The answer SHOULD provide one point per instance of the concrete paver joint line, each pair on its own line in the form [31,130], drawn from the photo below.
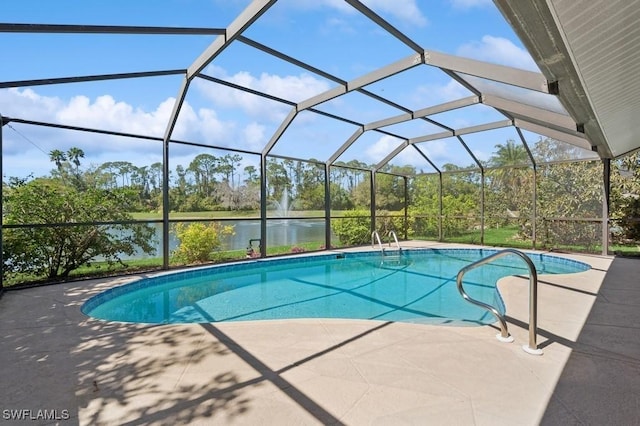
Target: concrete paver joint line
[321,371]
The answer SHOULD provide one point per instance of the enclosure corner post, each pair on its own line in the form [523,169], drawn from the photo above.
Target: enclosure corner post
[165,204]
[2,123]
[372,189]
[534,208]
[263,205]
[406,208]
[482,205]
[606,171]
[440,208]
[327,206]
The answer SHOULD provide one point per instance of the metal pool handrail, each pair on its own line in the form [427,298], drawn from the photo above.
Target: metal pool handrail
[375,236]
[532,347]
[392,234]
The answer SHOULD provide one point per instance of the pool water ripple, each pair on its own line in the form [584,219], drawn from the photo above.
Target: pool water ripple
[417,286]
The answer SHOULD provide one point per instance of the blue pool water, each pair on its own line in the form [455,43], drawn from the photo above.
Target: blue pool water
[417,286]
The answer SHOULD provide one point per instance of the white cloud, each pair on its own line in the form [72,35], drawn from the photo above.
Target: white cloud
[441,151]
[381,148]
[482,155]
[431,94]
[407,11]
[254,135]
[469,4]
[291,87]
[410,157]
[29,145]
[27,103]
[218,125]
[334,4]
[107,113]
[338,25]
[498,50]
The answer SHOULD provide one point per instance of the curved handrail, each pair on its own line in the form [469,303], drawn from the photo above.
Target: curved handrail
[395,238]
[375,236]
[504,335]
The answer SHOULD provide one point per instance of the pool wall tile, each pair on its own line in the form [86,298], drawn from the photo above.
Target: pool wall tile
[172,277]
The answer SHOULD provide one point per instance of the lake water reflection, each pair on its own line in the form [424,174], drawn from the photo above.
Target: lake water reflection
[280,232]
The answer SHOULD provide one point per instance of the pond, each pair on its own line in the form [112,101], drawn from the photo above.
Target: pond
[280,232]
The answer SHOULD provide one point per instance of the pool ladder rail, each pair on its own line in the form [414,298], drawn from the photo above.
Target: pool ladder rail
[375,237]
[504,336]
[386,256]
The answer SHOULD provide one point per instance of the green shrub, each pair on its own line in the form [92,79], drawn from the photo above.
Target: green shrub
[354,228]
[55,251]
[198,240]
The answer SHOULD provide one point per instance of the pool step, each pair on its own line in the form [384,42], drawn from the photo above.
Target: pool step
[391,258]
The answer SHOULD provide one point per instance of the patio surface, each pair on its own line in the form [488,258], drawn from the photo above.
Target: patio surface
[330,371]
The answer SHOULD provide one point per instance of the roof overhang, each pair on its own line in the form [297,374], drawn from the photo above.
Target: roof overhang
[588,51]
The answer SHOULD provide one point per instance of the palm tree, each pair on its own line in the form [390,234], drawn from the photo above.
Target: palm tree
[57,157]
[506,157]
[509,154]
[512,183]
[75,154]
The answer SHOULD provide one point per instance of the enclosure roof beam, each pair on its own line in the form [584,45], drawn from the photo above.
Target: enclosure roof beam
[433,137]
[372,77]
[570,53]
[322,97]
[106,29]
[422,113]
[247,17]
[400,107]
[291,60]
[526,146]
[426,157]
[389,121]
[384,72]
[81,129]
[245,89]
[345,145]
[81,79]
[398,150]
[483,127]
[359,132]
[500,73]
[447,106]
[541,116]
[273,98]
[580,142]
[280,131]
[326,75]
[462,131]
[391,155]
[471,154]
[385,25]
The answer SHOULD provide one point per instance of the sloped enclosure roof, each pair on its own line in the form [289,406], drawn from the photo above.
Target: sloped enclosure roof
[590,49]
[388,90]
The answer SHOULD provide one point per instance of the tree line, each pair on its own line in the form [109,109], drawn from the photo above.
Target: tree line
[75,197]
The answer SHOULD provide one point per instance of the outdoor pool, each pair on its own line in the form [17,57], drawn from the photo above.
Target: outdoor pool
[419,286]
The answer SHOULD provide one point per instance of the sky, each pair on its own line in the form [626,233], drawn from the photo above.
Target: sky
[326,34]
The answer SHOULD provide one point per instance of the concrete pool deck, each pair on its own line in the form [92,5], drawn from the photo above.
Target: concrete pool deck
[56,360]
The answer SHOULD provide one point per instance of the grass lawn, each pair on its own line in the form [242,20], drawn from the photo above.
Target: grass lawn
[500,237]
[197,215]
[103,269]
